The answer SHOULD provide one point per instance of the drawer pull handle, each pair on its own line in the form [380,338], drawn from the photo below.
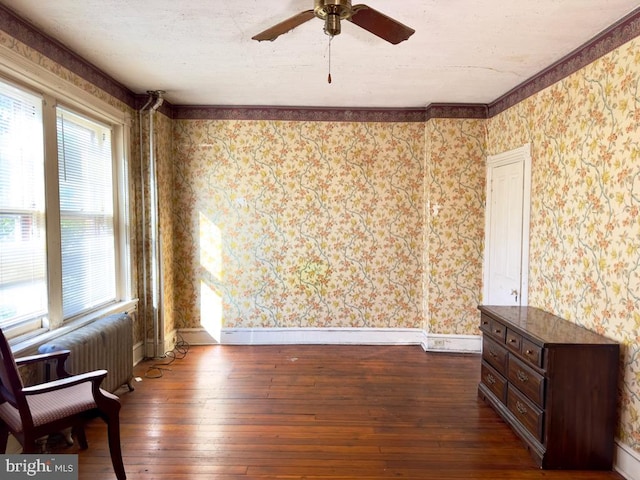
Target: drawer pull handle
[521,408]
[493,354]
[529,352]
[512,340]
[522,376]
[497,330]
[491,379]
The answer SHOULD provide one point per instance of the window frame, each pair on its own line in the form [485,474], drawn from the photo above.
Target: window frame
[23,74]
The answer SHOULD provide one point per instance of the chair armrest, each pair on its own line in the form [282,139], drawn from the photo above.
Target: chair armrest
[95,376]
[59,355]
[41,357]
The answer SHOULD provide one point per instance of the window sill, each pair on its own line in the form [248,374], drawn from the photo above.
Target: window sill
[28,344]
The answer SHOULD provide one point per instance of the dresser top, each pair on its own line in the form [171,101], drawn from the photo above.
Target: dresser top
[544,326]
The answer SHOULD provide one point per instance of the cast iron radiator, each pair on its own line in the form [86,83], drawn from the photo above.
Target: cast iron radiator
[105,344]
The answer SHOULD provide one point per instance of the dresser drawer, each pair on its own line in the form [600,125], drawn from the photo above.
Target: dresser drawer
[513,340]
[532,352]
[495,355]
[494,381]
[530,416]
[485,323]
[526,380]
[497,330]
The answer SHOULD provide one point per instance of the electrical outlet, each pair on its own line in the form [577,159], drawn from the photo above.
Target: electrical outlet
[437,343]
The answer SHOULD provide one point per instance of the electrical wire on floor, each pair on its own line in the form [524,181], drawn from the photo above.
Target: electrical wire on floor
[179,351]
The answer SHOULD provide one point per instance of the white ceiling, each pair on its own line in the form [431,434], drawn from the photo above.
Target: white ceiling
[201,53]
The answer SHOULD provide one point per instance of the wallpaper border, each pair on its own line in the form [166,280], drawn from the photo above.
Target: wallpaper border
[434,110]
[464,111]
[206,112]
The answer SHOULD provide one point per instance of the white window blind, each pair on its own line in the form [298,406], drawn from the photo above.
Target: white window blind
[23,286]
[85,167]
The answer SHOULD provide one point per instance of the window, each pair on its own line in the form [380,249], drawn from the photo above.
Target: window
[59,234]
[23,287]
[86,213]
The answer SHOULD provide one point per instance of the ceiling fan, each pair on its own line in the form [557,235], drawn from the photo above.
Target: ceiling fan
[332,11]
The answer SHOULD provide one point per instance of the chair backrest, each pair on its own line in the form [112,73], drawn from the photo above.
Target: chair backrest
[10,381]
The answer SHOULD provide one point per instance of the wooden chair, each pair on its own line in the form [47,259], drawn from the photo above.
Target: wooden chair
[30,413]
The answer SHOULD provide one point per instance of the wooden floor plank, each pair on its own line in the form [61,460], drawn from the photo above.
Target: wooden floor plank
[313,412]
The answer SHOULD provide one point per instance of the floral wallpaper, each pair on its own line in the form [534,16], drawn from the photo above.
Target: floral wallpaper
[585,222]
[455,185]
[299,224]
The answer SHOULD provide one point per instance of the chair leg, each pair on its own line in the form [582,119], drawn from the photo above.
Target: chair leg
[113,431]
[30,445]
[4,438]
[109,411]
[67,434]
[78,432]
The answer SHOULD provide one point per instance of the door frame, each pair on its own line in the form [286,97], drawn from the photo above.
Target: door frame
[517,155]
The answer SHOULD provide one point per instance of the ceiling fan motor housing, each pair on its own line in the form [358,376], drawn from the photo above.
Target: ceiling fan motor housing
[332,11]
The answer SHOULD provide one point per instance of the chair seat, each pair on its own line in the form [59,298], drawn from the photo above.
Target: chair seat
[50,406]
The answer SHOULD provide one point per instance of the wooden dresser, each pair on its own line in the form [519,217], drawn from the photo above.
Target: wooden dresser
[553,382]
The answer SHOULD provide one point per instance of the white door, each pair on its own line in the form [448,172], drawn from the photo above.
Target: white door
[506,259]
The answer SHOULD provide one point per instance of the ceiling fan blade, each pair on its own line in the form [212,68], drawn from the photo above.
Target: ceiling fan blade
[379,24]
[283,27]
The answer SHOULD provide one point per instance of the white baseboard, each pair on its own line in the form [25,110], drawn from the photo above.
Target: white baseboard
[170,340]
[453,343]
[165,344]
[138,353]
[293,336]
[197,336]
[626,461]
[335,336]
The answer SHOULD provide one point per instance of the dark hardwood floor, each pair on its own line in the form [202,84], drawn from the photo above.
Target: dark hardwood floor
[312,412]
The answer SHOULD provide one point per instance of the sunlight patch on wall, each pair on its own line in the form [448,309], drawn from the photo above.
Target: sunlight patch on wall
[210,311]
[210,247]
[210,240]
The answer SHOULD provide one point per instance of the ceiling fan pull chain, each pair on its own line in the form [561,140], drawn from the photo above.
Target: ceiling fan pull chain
[329,76]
